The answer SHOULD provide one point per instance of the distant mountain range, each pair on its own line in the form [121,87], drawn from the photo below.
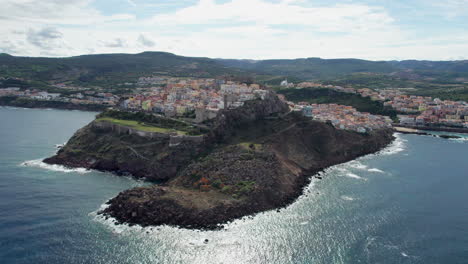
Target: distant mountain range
[108,69]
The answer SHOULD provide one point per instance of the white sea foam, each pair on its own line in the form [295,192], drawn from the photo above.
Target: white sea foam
[461,140]
[397,146]
[357,165]
[110,221]
[347,198]
[375,170]
[53,167]
[354,176]
[340,169]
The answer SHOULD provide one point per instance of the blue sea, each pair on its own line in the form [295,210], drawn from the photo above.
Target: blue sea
[406,204]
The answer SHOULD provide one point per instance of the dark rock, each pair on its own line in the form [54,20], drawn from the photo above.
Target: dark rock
[449,137]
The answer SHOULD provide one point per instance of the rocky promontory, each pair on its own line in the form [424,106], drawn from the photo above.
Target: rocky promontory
[254,158]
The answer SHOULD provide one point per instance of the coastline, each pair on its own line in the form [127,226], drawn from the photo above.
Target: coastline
[432,128]
[172,212]
[39,104]
[394,147]
[406,130]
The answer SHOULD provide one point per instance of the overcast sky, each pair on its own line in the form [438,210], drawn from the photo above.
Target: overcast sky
[243,29]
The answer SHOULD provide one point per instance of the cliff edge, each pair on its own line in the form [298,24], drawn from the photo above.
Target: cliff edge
[254,158]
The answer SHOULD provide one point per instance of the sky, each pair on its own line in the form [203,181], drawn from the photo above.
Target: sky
[238,29]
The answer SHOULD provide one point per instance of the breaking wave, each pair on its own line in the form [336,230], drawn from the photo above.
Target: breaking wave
[375,170]
[110,222]
[347,198]
[397,146]
[357,165]
[354,176]
[53,167]
[461,140]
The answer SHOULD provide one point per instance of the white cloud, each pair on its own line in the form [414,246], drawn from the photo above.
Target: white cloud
[69,12]
[336,18]
[145,41]
[116,43]
[44,38]
[251,29]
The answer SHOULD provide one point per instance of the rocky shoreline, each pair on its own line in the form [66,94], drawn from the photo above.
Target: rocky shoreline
[170,212]
[413,131]
[256,158]
[435,128]
[14,102]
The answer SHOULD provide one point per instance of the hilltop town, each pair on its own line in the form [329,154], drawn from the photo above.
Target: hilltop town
[200,99]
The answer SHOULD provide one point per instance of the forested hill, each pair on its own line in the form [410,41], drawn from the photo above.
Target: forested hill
[111,69]
[323,69]
[105,68]
[311,68]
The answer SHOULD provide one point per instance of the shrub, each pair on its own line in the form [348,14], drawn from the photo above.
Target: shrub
[226,189]
[195,177]
[245,187]
[247,156]
[217,184]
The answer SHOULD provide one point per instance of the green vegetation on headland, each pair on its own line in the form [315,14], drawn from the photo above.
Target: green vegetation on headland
[149,122]
[140,126]
[329,96]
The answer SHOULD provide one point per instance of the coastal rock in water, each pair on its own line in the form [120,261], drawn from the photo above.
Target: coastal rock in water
[245,181]
[255,158]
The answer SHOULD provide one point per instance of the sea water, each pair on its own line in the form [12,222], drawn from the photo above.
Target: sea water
[405,204]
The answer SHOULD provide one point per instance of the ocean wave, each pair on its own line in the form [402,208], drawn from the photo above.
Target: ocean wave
[340,169]
[111,222]
[53,167]
[357,165]
[397,146]
[460,140]
[375,170]
[354,176]
[117,228]
[347,198]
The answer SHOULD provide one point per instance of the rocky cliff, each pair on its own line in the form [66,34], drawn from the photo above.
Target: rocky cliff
[255,158]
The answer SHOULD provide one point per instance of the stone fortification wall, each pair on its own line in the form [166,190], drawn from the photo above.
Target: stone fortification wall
[174,139]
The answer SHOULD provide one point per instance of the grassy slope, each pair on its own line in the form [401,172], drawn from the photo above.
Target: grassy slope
[148,122]
[140,126]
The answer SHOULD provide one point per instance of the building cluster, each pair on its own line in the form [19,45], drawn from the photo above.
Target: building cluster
[419,110]
[88,97]
[425,111]
[187,97]
[343,117]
